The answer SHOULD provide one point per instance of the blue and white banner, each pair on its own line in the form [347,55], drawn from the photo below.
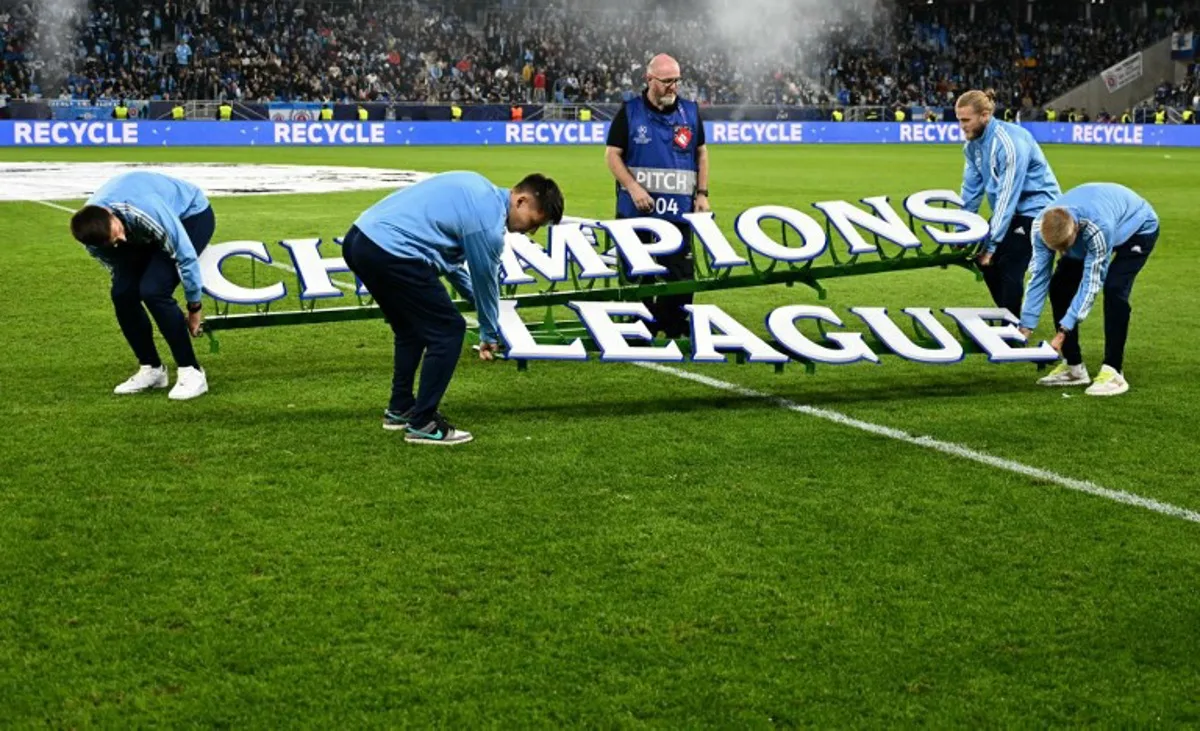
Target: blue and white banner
[294,112]
[71,109]
[1183,45]
[55,133]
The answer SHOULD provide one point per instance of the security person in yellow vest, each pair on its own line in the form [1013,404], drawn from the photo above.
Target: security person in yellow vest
[455,113]
[1126,118]
[1051,115]
[899,115]
[585,115]
[1160,117]
[362,113]
[177,112]
[326,113]
[1072,116]
[838,115]
[225,112]
[1008,114]
[1189,116]
[120,111]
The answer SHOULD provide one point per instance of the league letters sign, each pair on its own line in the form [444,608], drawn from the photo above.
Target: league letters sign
[611,320]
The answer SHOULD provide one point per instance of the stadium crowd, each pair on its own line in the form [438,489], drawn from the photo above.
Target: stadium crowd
[407,50]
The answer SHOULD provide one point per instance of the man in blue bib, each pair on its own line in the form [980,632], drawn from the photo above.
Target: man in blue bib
[656,152]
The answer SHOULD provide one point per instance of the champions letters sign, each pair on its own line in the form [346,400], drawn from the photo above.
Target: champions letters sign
[573,257]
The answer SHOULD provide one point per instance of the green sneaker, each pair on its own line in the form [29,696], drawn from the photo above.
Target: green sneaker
[1109,382]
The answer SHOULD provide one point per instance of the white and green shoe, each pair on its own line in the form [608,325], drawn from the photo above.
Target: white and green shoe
[1066,375]
[438,431]
[1109,382]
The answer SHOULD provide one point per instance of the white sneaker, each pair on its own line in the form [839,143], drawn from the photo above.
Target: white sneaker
[1066,375]
[438,431]
[189,383]
[1109,382]
[145,379]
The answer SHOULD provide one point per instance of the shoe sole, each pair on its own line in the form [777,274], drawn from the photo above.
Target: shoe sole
[1111,393]
[394,427]
[187,398]
[1062,384]
[140,390]
[438,442]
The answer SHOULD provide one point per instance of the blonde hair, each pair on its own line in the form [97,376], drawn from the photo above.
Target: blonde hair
[1058,228]
[980,101]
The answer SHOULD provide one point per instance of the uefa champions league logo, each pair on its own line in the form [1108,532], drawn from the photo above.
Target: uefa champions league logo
[642,135]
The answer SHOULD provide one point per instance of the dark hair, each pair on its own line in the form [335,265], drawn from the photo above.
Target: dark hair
[545,190]
[92,225]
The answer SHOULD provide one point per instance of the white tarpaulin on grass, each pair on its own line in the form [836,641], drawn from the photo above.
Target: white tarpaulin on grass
[56,181]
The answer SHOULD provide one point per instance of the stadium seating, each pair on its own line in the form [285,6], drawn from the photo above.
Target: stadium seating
[403,50]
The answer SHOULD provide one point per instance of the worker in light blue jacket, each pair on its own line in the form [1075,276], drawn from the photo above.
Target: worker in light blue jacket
[1005,165]
[404,244]
[1103,233]
[148,230]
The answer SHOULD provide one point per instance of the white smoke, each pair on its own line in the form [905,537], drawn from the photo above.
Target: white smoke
[57,23]
[756,38]
[761,37]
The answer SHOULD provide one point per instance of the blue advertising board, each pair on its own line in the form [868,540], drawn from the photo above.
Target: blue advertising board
[83,133]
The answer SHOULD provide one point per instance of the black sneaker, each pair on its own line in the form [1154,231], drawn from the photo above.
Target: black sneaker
[393,421]
[437,431]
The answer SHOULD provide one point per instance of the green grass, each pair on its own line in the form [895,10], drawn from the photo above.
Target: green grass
[618,547]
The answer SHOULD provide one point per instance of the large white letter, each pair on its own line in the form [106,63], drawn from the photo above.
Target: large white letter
[734,336]
[975,322]
[565,237]
[611,336]
[313,270]
[705,226]
[851,346]
[885,222]
[747,225]
[973,228]
[221,288]
[521,344]
[510,265]
[950,350]
[637,254]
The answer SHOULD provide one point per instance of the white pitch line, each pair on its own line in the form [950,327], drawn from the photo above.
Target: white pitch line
[336,282]
[956,450]
[53,205]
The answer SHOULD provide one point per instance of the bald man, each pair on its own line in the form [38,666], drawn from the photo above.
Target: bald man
[656,153]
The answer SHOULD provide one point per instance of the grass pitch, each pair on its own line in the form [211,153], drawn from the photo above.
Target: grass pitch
[618,547]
